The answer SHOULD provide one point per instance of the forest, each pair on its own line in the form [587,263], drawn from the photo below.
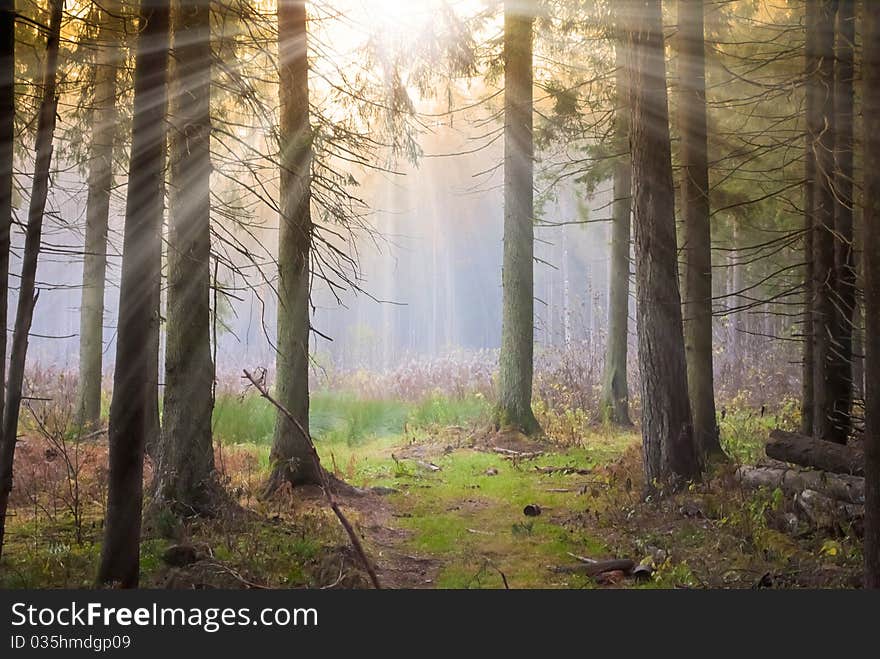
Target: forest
[440,294]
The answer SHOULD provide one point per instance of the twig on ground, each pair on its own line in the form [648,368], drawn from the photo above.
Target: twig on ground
[508,454]
[564,470]
[235,575]
[582,559]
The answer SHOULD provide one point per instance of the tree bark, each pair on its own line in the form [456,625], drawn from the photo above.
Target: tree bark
[825,512]
[7,169]
[133,395]
[27,299]
[697,235]
[811,66]
[291,456]
[738,315]
[809,452]
[871,223]
[844,263]
[91,326]
[185,474]
[828,382]
[840,487]
[615,394]
[669,450]
[517,324]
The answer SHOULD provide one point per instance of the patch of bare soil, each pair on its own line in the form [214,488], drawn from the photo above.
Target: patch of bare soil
[384,542]
[395,565]
[508,440]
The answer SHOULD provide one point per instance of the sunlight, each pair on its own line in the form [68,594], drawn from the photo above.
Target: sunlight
[447,264]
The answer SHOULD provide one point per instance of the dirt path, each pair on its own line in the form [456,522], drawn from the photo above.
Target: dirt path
[387,543]
[451,515]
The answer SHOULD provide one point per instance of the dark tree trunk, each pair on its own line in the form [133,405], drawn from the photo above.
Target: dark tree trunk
[871,223]
[828,382]
[615,394]
[291,455]
[811,67]
[517,323]
[185,474]
[669,449]
[133,397]
[858,326]
[91,326]
[844,263]
[7,156]
[33,235]
[697,236]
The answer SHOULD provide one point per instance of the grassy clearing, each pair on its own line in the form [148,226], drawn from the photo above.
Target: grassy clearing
[342,418]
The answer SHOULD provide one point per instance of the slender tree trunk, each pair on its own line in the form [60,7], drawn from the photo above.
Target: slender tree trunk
[811,108]
[27,299]
[291,455]
[844,264]
[871,223]
[669,449]
[7,159]
[738,327]
[133,397]
[827,380]
[517,324]
[695,211]
[185,474]
[33,235]
[615,394]
[91,326]
[566,292]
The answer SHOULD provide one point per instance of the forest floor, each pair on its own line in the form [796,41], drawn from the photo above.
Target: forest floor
[463,526]
[442,507]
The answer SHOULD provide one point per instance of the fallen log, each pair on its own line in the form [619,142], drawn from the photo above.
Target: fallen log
[624,565]
[825,512]
[841,487]
[809,452]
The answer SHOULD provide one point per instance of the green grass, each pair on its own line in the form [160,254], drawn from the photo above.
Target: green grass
[443,411]
[744,431]
[473,522]
[243,420]
[339,418]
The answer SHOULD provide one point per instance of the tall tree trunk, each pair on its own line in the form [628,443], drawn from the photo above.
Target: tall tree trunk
[695,212]
[669,449]
[858,334]
[615,393]
[291,455]
[185,474]
[844,263]
[133,396]
[811,109]
[827,379]
[517,324]
[91,325]
[27,299]
[738,329]
[871,223]
[7,160]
